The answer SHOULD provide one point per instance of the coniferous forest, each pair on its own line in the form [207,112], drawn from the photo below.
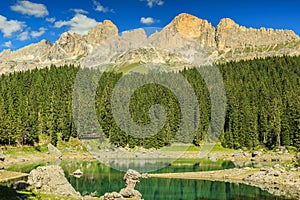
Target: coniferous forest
[263,105]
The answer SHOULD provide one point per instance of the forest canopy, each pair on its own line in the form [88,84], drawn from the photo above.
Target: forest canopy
[263,101]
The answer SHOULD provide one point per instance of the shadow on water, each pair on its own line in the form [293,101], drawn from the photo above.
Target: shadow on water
[6,192]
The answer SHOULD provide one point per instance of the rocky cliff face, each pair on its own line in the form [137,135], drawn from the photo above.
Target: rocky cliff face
[231,35]
[193,27]
[70,48]
[228,41]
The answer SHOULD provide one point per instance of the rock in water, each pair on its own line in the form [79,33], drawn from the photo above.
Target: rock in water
[54,151]
[131,178]
[51,179]
[113,196]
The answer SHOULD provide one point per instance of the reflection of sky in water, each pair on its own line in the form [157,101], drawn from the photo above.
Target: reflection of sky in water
[100,178]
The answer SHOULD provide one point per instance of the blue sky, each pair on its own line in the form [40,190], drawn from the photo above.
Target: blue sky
[24,22]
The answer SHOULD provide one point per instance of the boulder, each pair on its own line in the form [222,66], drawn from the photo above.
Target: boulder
[212,157]
[113,196]
[51,179]
[131,178]
[52,150]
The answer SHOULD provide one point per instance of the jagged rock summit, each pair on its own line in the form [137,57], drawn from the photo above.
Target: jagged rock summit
[227,41]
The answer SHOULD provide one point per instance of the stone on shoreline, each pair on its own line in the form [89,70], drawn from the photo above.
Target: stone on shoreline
[51,179]
[52,150]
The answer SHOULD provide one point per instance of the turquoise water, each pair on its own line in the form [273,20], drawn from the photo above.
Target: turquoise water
[100,178]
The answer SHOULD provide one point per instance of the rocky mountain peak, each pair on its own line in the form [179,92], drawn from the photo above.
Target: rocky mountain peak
[195,28]
[227,23]
[228,41]
[102,32]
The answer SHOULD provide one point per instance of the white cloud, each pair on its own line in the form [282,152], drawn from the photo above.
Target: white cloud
[79,24]
[151,3]
[51,20]
[7,27]
[79,11]
[35,34]
[23,36]
[148,20]
[7,44]
[101,8]
[29,8]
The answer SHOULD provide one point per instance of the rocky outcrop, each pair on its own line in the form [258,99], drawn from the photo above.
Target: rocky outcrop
[194,27]
[102,32]
[51,179]
[52,150]
[131,178]
[228,41]
[70,48]
[230,35]
[276,180]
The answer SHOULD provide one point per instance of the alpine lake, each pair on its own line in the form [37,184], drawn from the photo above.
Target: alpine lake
[99,179]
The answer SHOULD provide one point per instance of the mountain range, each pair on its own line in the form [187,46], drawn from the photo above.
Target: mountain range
[225,42]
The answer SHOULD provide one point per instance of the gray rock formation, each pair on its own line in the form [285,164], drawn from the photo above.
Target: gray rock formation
[52,150]
[51,179]
[276,180]
[131,178]
[228,41]
[113,196]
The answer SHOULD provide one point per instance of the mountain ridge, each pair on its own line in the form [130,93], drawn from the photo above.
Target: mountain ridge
[225,42]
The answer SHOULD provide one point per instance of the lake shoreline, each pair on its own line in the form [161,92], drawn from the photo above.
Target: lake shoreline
[275,181]
[278,187]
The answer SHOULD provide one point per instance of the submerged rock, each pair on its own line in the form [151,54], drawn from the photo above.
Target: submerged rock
[51,179]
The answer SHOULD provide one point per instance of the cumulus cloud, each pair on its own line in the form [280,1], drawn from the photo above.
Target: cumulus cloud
[151,3]
[79,24]
[99,7]
[148,20]
[23,36]
[39,33]
[79,11]
[8,27]
[29,8]
[51,20]
[7,44]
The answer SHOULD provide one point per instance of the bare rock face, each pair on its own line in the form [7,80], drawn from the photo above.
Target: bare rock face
[231,35]
[102,32]
[51,179]
[69,45]
[194,27]
[228,41]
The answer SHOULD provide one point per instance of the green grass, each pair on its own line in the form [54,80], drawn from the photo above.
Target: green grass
[26,168]
[24,150]
[134,67]
[213,147]
[74,143]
